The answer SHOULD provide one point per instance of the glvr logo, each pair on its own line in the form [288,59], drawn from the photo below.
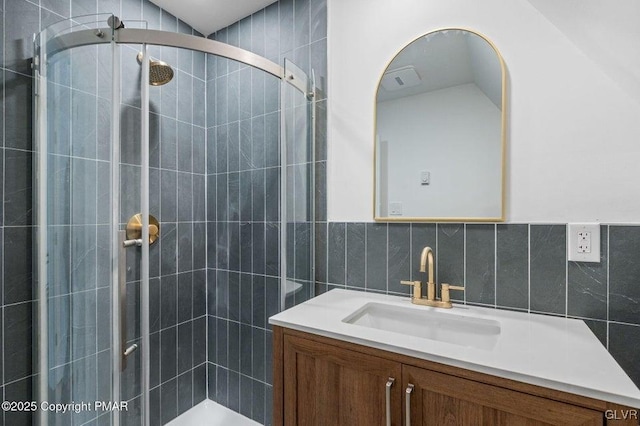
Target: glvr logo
[621,414]
[111,406]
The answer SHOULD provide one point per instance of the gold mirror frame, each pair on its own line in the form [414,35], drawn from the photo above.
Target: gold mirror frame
[503,69]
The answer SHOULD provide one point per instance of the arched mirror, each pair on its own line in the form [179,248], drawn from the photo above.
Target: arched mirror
[440,131]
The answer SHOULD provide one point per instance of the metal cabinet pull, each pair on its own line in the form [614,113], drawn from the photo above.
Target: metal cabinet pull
[408,405]
[388,398]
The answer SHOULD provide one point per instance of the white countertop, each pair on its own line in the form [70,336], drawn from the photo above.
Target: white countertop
[553,352]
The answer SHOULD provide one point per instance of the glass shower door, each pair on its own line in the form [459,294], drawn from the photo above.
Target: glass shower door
[298,183]
[84,275]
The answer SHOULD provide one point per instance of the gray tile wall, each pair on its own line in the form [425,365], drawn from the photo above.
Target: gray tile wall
[178,173]
[505,266]
[243,196]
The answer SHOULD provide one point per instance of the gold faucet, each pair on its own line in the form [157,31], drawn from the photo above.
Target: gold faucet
[427,255]
[426,259]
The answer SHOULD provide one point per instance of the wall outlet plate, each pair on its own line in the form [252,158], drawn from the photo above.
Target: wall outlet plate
[583,242]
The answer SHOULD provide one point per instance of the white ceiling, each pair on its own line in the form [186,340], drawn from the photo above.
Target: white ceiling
[208,16]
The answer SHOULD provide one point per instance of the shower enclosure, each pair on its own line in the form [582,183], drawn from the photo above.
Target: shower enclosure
[155,178]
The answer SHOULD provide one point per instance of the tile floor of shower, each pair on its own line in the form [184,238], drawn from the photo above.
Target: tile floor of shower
[209,413]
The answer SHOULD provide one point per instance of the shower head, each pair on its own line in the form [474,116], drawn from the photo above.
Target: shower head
[160,73]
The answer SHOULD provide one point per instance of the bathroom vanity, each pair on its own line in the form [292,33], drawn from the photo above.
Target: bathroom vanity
[354,358]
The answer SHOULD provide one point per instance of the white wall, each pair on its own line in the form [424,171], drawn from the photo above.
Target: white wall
[455,134]
[573,110]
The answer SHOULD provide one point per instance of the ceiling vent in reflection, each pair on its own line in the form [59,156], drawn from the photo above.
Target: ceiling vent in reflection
[400,78]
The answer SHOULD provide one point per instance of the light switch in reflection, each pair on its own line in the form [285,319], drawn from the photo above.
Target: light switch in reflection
[424,177]
[395,208]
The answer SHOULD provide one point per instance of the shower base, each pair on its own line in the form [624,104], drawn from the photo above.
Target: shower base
[209,413]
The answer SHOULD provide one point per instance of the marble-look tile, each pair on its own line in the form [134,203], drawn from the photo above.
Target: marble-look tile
[185,247]
[376,243]
[83,383]
[168,143]
[18,118]
[599,328]
[302,250]
[17,337]
[512,272]
[169,401]
[399,257]
[624,341]
[258,141]
[587,284]
[168,301]
[259,248]
[258,194]
[356,255]
[185,348]
[272,248]
[272,194]
[185,392]
[200,340]
[84,324]
[222,198]
[624,270]
[199,384]
[257,92]
[184,147]
[450,254]
[234,246]
[199,198]
[168,248]
[480,265]
[246,342]
[259,357]
[321,190]
[422,235]
[321,252]
[233,148]
[185,297]
[18,264]
[199,307]
[336,253]
[185,197]
[548,282]
[168,196]
[272,139]
[233,345]
[234,297]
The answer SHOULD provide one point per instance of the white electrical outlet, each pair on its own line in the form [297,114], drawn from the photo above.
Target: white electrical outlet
[583,242]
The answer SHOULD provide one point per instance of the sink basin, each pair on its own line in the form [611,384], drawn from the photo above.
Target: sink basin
[446,327]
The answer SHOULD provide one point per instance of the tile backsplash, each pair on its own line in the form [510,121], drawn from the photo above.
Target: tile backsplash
[521,267]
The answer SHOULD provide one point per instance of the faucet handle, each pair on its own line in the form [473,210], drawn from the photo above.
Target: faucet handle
[446,297]
[417,288]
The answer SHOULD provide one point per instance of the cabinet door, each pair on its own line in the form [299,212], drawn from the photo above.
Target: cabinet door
[326,385]
[439,399]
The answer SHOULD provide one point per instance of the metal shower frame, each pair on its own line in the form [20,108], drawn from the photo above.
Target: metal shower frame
[144,37]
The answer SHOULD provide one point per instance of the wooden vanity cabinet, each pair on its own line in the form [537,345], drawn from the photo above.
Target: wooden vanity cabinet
[441,399]
[322,381]
[325,385]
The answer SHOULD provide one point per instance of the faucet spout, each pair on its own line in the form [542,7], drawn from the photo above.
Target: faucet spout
[427,256]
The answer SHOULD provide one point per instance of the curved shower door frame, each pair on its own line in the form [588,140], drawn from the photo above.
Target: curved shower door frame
[144,37]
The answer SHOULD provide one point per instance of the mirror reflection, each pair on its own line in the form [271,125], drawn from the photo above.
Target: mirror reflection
[440,131]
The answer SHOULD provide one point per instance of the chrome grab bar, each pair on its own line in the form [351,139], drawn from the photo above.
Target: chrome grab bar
[123,244]
[388,398]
